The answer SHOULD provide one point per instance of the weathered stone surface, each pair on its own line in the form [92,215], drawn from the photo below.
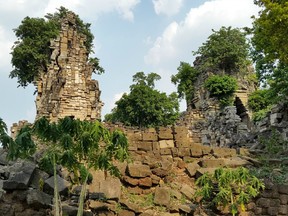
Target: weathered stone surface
[139,170]
[211,163]
[162,196]
[165,133]
[146,182]
[20,177]
[145,146]
[283,189]
[201,171]
[132,206]
[131,181]
[126,213]
[111,187]
[166,144]
[38,199]
[67,87]
[192,168]
[188,191]
[62,184]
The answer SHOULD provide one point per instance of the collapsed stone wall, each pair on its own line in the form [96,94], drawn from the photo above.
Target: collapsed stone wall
[66,88]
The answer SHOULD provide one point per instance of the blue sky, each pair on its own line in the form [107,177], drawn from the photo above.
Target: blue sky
[130,36]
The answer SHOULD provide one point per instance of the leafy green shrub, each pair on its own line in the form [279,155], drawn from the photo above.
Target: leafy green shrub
[228,187]
[221,87]
[259,100]
[261,114]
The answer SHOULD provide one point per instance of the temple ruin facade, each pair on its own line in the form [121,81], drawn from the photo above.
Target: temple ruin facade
[66,88]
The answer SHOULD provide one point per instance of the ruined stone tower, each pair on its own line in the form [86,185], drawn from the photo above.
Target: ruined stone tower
[67,88]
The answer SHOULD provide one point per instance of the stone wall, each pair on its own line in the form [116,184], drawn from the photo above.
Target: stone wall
[272,201]
[66,88]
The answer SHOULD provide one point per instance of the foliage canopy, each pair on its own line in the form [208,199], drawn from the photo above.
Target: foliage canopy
[144,106]
[226,50]
[270,45]
[184,80]
[31,52]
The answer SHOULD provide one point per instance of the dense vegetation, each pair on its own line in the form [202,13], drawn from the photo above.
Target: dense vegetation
[270,46]
[226,50]
[184,80]
[231,188]
[145,106]
[31,52]
[222,87]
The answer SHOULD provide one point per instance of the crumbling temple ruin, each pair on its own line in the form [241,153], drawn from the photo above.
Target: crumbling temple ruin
[67,88]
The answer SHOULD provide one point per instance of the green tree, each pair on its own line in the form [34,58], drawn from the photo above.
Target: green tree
[144,106]
[270,44]
[226,50]
[78,145]
[31,52]
[184,80]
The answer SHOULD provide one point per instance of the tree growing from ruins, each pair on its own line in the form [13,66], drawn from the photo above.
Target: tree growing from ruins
[145,106]
[184,80]
[31,51]
[270,46]
[226,50]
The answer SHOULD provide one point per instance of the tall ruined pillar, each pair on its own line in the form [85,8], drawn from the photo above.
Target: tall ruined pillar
[67,88]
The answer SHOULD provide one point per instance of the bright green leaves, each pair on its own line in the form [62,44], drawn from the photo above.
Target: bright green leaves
[225,50]
[31,52]
[221,87]
[185,79]
[269,46]
[144,106]
[229,187]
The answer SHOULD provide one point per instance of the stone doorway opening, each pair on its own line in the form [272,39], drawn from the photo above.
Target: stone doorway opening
[242,112]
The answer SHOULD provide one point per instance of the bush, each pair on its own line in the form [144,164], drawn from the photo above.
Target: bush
[221,87]
[259,100]
[228,187]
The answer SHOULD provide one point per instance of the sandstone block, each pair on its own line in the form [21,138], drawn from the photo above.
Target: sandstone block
[283,199]
[283,210]
[165,151]
[149,136]
[191,168]
[162,196]
[131,181]
[223,152]
[146,182]
[272,211]
[165,133]
[145,146]
[211,163]
[283,189]
[139,170]
[184,152]
[188,191]
[166,144]
[196,150]
[263,202]
[63,185]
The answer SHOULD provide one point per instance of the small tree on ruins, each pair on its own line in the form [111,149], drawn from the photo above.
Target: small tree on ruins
[31,52]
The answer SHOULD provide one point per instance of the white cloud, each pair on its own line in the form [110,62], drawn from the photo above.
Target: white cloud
[167,7]
[111,103]
[92,9]
[179,39]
